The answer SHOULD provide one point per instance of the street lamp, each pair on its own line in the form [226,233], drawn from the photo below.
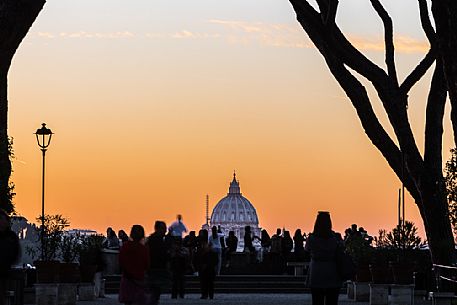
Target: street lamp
[43,137]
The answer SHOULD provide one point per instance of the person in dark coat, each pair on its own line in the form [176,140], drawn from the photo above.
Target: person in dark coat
[299,250]
[190,242]
[322,244]
[205,261]
[232,243]
[287,245]
[178,266]
[133,261]
[9,252]
[158,276]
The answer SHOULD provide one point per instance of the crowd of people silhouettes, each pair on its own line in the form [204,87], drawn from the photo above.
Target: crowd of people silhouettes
[151,265]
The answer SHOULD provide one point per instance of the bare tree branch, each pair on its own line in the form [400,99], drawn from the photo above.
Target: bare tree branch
[313,25]
[370,123]
[334,44]
[388,39]
[418,72]
[426,23]
[332,8]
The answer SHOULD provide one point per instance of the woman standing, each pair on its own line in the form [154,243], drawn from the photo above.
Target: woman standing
[205,261]
[214,241]
[323,277]
[134,261]
[299,250]
[265,243]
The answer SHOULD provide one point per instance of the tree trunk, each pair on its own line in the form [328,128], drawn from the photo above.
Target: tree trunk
[16,18]
[445,15]
[422,176]
[439,232]
[5,164]
[438,229]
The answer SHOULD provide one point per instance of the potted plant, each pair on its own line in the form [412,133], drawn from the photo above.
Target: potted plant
[90,256]
[90,262]
[47,267]
[403,243]
[69,250]
[50,238]
[358,245]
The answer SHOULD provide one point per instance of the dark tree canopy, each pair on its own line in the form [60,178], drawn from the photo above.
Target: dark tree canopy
[422,175]
[16,18]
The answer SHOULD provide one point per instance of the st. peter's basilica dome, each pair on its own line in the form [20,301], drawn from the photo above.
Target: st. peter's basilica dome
[234,212]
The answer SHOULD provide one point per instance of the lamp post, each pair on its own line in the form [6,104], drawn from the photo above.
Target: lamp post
[43,137]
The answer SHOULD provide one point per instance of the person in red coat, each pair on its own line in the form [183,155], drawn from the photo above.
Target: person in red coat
[134,261]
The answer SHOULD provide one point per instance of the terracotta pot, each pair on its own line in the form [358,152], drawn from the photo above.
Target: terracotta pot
[363,274]
[380,274]
[47,271]
[402,273]
[69,273]
[87,273]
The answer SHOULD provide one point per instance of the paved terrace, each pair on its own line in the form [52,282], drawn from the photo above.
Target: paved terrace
[239,299]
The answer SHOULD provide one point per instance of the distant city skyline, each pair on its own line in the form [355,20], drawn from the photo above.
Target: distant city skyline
[153,104]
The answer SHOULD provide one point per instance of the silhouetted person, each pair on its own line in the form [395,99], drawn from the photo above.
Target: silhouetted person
[134,261]
[265,243]
[177,228]
[299,249]
[232,244]
[9,252]
[214,242]
[248,246]
[158,276]
[232,241]
[178,265]
[190,242]
[223,245]
[324,280]
[206,261]
[248,243]
[276,242]
[278,262]
[123,237]
[111,241]
[287,244]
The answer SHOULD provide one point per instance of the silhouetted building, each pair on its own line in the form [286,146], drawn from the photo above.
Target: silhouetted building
[234,212]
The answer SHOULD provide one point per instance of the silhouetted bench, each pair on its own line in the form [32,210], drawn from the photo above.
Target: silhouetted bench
[442,298]
[299,267]
[16,283]
[445,275]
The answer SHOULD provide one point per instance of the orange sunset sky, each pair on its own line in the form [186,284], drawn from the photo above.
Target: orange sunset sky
[154,104]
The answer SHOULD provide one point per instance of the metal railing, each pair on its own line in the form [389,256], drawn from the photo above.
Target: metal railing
[446,277]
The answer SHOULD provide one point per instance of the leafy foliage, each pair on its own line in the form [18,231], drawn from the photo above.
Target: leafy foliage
[90,249]
[70,247]
[52,234]
[358,244]
[8,207]
[450,179]
[403,236]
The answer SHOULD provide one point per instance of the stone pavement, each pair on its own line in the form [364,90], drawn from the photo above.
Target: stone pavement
[231,299]
[239,299]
